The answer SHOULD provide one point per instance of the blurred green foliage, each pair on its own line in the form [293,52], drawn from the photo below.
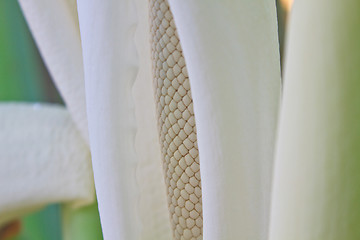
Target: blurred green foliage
[23,77]
[81,224]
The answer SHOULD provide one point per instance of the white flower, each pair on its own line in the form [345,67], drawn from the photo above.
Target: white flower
[99,55]
[233,64]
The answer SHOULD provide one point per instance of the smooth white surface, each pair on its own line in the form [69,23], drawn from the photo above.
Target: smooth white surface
[232,54]
[316,180]
[55,27]
[110,67]
[43,160]
[152,205]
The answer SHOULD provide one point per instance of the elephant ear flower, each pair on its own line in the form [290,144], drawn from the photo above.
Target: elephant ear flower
[241,74]
[216,78]
[55,28]
[100,51]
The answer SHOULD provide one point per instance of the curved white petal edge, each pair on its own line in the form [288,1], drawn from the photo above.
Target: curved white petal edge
[152,203]
[232,54]
[316,181]
[122,125]
[54,25]
[43,160]
[110,68]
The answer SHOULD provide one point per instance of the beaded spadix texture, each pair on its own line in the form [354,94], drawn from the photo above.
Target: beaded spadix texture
[176,124]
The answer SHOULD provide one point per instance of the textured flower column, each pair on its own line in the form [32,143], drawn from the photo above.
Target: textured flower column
[232,56]
[316,186]
[176,125]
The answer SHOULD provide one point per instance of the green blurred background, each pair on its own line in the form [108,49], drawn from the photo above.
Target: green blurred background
[23,77]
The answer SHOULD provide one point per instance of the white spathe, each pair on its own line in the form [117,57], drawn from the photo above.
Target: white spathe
[122,125]
[316,192]
[109,77]
[233,63]
[54,25]
[232,55]
[43,160]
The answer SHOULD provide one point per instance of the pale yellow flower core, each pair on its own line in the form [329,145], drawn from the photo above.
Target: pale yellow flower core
[176,125]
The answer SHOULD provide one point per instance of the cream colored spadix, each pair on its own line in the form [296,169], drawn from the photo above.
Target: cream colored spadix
[176,124]
[232,55]
[316,186]
[54,25]
[131,195]
[43,160]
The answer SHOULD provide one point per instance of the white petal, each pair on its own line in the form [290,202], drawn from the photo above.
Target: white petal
[110,67]
[316,184]
[55,27]
[152,205]
[231,51]
[43,159]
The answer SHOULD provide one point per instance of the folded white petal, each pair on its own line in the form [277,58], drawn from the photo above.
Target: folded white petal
[54,25]
[110,67]
[316,185]
[232,54]
[43,159]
